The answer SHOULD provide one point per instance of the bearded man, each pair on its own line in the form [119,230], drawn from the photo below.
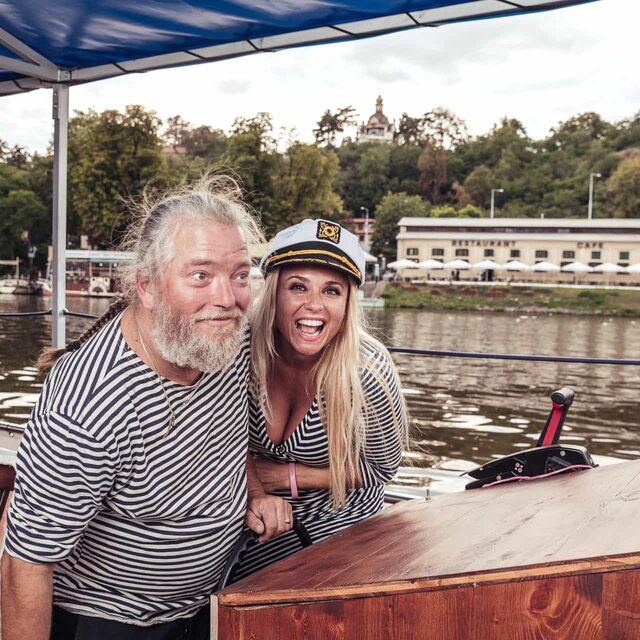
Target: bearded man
[131,485]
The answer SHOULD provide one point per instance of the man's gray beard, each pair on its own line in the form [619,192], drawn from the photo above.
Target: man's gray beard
[178,340]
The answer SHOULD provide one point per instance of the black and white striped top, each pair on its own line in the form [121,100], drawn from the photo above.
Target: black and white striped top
[308,444]
[139,524]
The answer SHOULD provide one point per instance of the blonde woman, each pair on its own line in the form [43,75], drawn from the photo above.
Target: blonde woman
[327,417]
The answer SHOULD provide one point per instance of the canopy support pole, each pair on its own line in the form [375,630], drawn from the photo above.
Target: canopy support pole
[59,239]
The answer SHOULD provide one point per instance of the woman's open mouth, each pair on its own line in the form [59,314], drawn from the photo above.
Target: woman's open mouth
[310,328]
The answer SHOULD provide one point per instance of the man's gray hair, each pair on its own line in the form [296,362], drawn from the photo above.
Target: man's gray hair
[151,237]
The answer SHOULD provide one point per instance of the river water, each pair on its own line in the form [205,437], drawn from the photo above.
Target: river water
[464,411]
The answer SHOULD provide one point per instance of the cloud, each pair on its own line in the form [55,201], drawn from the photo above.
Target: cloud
[540,69]
[233,86]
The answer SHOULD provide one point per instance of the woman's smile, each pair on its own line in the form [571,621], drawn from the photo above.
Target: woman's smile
[310,308]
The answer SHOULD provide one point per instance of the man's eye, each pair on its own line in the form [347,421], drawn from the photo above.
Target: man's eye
[200,276]
[243,275]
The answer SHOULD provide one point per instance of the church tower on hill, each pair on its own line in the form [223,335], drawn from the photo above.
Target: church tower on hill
[378,127]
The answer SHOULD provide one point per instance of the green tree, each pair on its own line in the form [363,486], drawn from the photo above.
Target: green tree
[469,211]
[207,143]
[411,130]
[391,209]
[432,165]
[459,196]
[443,131]
[579,132]
[364,174]
[623,188]
[303,187]
[22,210]
[15,156]
[626,133]
[446,211]
[403,169]
[331,124]
[443,211]
[251,152]
[176,131]
[112,157]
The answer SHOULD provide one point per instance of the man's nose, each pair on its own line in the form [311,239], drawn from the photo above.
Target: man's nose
[222,293]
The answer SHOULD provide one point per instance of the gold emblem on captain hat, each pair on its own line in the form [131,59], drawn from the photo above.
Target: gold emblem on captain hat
[328,231]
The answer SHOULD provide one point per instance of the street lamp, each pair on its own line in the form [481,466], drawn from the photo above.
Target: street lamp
[366,228]
[591,177]
[493,200]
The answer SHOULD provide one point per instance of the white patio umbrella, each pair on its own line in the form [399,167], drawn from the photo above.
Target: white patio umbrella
[486,264]
[634,268]
[577,267]
[403,264]
[431,264]
[369,258]
[458,264]
[516,265]
[609,267]
[545,267]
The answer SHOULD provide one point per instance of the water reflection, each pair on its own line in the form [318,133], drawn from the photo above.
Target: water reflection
[466,411]
[463,411]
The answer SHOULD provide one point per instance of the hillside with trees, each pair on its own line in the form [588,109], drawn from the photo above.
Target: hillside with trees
[434,168]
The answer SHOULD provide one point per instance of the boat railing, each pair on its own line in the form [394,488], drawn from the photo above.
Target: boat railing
[512,356]
[437,353]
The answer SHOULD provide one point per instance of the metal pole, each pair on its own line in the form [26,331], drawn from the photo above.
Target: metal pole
[590,209]
[493,200]
[366,228]
[59,239]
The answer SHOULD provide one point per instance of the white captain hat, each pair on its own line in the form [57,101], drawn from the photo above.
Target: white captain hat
[316,242]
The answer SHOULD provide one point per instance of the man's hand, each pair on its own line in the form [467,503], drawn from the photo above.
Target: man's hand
[27,592]
[269,516]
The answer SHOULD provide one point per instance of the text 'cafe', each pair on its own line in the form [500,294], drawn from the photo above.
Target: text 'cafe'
[558,241]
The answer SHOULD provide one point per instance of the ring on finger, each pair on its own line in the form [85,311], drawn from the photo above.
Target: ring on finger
[287,520]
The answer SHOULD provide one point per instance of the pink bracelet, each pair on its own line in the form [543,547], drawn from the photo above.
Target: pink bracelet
[293,483]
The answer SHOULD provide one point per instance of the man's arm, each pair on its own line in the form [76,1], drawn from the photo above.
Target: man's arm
[26,599]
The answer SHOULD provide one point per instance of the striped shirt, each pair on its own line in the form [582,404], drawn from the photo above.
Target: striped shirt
[139,524]
[309,445]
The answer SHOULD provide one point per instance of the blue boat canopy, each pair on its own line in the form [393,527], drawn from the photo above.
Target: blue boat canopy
[58,43]
[74,41]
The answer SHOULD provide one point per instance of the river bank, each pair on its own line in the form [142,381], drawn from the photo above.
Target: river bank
[513,298]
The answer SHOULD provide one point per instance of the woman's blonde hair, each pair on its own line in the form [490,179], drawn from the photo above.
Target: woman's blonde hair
[337,380]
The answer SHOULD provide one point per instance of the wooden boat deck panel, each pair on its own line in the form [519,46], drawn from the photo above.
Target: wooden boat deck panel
[580,522]
[554,558]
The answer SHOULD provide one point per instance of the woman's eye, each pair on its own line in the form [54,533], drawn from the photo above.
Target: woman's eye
[296,286]
[333,292]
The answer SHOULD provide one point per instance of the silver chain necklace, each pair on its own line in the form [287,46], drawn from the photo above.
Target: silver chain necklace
[181,403]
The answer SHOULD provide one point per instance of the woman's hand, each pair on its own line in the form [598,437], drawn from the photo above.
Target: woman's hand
[268,516]
[274,476]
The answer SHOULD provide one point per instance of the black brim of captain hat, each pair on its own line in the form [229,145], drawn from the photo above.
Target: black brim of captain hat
[320,253]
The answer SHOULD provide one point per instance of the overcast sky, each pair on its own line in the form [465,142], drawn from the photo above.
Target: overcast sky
[540,69]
